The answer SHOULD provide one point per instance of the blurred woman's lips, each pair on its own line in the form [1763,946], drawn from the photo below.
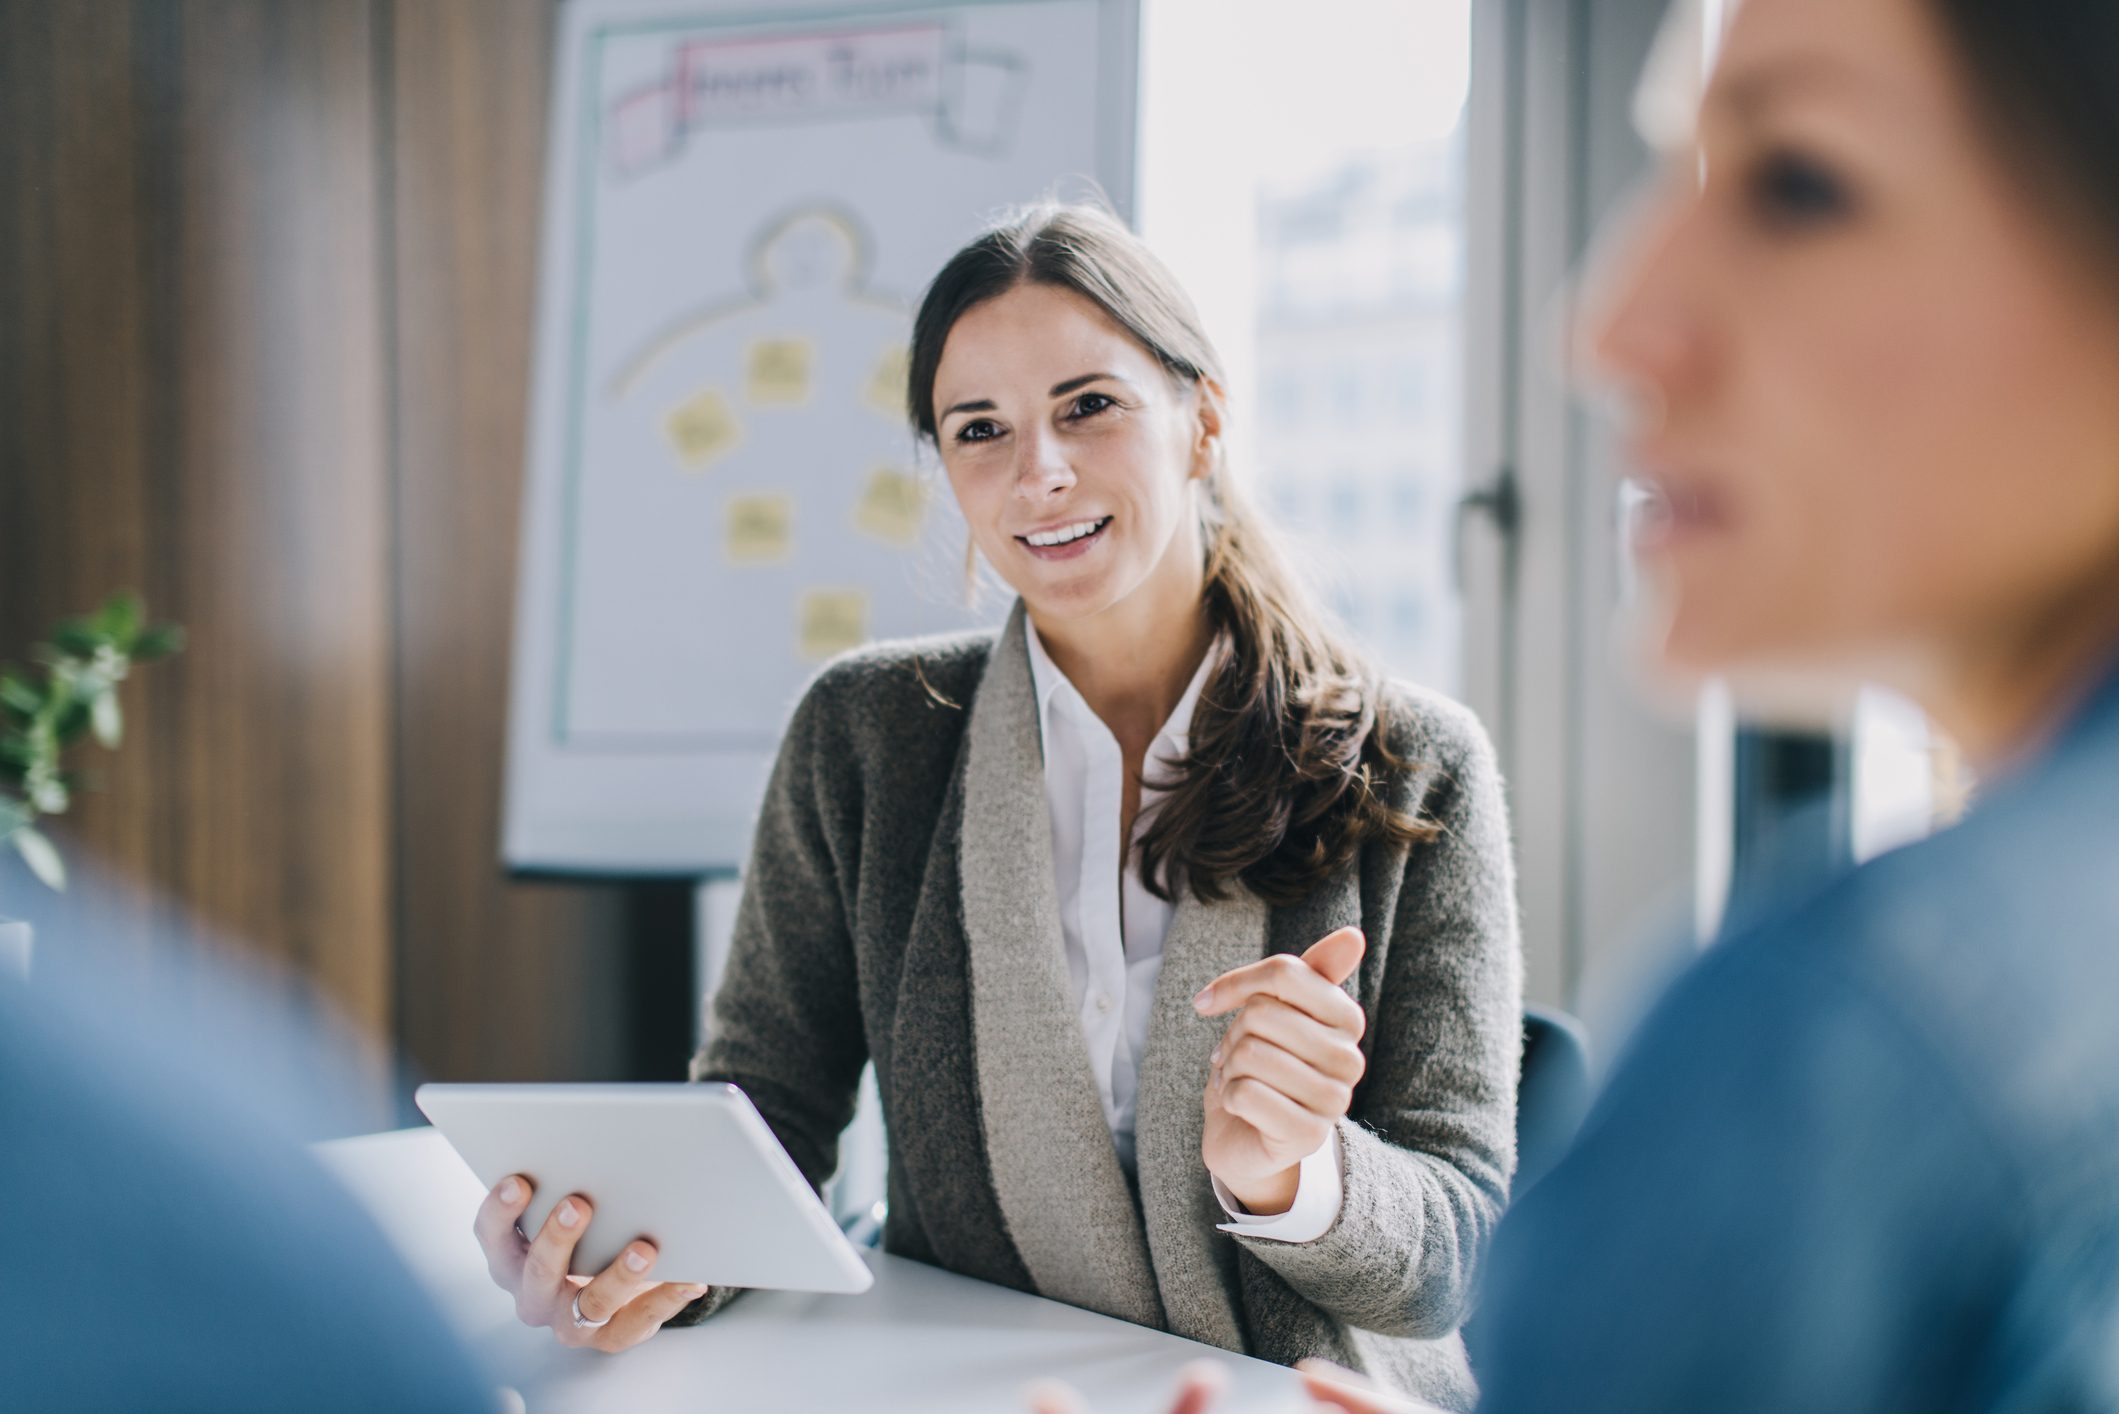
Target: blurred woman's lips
[1674,506]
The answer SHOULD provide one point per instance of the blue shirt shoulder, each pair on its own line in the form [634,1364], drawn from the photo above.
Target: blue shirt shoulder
[168,1251]
[1865,1155]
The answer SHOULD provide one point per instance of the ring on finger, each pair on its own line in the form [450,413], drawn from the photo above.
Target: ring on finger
[583,1323]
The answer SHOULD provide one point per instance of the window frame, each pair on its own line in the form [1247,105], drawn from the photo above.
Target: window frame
[1603,789]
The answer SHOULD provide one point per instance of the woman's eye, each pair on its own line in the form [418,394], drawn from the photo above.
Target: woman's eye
[978,430]
[1791,190]
[1090,404]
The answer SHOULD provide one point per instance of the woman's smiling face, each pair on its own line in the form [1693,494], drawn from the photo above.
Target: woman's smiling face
[1072,453]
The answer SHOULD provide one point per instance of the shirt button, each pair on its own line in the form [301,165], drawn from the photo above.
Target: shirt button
[1103,1002]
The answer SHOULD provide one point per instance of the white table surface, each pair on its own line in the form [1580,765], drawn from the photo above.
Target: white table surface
[920,1340]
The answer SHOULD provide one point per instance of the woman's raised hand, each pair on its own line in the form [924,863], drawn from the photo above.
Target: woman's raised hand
[1286,1068]
[615,1310]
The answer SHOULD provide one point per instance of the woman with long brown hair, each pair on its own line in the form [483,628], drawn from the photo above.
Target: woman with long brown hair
[1184,946]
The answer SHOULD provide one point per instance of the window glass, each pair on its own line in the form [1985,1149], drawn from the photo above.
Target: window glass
[1310,194]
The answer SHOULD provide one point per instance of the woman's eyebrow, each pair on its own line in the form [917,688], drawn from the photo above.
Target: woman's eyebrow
[1749,93]
[1060,390]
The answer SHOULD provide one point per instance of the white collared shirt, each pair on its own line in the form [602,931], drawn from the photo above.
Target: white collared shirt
[1113,927]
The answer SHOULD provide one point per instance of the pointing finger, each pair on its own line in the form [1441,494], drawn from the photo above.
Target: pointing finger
[1292,980]
[1335,956]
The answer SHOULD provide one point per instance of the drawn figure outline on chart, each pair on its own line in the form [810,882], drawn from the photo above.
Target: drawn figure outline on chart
[780,349]
[743,440]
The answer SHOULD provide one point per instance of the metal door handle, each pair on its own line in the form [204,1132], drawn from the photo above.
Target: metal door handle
[1500,502]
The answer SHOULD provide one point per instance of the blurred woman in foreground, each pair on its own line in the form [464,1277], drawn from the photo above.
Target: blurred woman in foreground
[1866,1154]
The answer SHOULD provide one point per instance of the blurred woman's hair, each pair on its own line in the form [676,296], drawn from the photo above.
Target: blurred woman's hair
[1288,771]
[2042,72]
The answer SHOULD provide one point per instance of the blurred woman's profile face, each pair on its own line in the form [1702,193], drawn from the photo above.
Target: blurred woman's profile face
[1872,384]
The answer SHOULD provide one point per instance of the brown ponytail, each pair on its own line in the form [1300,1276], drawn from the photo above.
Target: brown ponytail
[1288,773]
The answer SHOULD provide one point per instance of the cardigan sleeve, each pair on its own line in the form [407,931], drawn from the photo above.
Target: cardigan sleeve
[787,1025]
[1428,1147]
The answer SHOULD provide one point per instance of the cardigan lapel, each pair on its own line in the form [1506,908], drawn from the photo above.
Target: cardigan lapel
[939,1164]
[1332,905]
[1194,1264]
[1056,1174]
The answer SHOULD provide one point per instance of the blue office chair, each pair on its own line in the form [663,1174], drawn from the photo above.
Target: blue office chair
[1552,1096]
[865,1228]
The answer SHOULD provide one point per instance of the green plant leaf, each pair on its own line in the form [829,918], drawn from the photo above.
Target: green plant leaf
[71,721]
[119,619]
[158,642]
[108,719]
[37,852]
[19,694]
[77,638]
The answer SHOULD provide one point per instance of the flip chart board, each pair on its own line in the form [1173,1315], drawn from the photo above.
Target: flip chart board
[743,205]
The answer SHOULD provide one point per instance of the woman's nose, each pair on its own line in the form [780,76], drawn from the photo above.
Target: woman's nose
[1041,468]
[1638,333]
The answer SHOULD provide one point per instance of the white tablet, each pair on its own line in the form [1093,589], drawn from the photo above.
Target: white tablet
[692,1168]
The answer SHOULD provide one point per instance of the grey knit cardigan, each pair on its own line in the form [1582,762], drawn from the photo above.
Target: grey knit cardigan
[901,908]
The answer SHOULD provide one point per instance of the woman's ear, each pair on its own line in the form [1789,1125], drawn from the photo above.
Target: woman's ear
[1211,410]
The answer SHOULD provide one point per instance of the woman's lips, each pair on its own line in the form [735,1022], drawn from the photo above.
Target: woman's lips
[1668,511]
[1073,549]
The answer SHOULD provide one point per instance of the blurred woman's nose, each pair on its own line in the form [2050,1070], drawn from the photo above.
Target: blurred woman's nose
[1639,332]
[1041,468]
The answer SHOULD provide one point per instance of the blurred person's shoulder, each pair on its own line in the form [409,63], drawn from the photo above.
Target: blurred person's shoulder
[1946,1026]
[1990,952]
[176,1254]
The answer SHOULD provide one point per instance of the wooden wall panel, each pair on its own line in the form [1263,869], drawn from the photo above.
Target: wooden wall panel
[497,979]
[192,367]
[267,271]
[75,389]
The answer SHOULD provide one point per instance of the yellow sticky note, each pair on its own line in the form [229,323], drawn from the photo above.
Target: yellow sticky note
[760,529]
[892,507]
[778,373]
[702,428]
[832,621]
[886,386]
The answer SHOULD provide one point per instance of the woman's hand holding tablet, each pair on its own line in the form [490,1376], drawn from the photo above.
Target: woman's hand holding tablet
[688,1180]
[614,1310]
